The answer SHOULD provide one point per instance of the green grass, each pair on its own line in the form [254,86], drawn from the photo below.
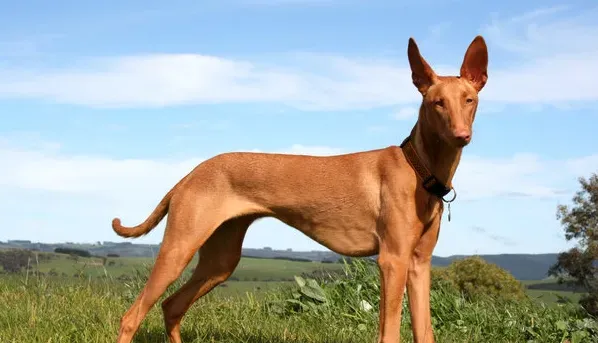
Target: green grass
[56,309]
[241,288]
[251,275]
[551,298]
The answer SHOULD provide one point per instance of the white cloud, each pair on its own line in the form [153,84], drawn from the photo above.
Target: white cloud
[163,80]
[533,34]
[583,166]
[519,175]
[554,59]
[553,63]
[522,175]
[500,239]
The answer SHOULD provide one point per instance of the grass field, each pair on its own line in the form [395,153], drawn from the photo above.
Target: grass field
[252,274]
[249,269]
[550,297]
[87,308]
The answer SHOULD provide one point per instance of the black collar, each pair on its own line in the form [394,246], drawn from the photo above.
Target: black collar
[429,181]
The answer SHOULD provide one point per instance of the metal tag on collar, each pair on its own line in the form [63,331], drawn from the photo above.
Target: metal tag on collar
[448,202]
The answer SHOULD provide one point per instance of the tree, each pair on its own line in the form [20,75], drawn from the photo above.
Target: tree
[579,264]
[72,251]
[14,260]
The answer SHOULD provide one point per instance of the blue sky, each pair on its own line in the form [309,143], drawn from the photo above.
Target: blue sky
[105,107]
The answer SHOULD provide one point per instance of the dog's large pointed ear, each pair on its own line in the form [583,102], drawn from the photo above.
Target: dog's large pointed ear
[421,73]
[475,63]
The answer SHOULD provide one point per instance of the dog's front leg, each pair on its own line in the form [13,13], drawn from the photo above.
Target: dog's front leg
[393,276]
[393,261]
[418,284]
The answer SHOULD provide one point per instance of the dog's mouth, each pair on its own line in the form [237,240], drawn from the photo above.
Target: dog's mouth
[458,142]
[461,143]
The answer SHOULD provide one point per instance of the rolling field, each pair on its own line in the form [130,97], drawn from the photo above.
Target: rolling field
[252,274]
[550,297]
[249,269]
[82,301]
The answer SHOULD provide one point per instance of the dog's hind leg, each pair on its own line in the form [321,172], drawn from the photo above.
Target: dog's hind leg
[219,256]
[190,224]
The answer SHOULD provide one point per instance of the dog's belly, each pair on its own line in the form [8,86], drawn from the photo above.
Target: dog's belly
[350,240]
[345,228]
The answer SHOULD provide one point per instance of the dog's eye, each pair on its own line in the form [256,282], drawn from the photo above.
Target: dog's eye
[469,101]
[439,103]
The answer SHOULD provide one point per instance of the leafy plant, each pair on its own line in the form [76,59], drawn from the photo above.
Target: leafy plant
[355,295]
[474,277]
[457,311]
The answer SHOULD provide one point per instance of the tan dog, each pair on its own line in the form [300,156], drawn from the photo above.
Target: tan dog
[386,202]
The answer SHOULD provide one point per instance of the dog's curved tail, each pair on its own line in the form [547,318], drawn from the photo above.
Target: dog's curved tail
[151,222]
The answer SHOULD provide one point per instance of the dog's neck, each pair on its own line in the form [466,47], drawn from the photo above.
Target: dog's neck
[441,158]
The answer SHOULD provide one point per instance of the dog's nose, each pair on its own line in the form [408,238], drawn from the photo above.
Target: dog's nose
[463,135]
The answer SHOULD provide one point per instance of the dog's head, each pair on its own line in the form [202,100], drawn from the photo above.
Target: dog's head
[450,102]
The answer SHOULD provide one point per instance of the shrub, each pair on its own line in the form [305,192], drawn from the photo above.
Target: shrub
[589,302]
[474,277]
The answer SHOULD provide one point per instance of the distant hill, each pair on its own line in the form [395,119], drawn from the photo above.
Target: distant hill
[522,266]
